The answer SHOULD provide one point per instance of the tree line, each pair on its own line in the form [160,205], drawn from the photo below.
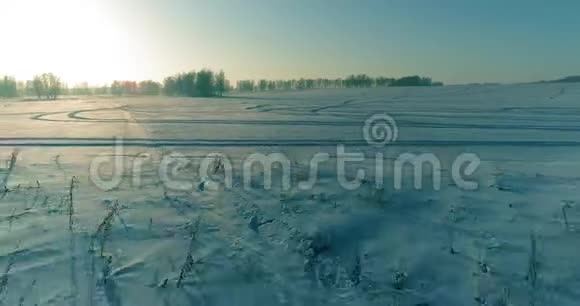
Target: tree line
[568,79]
[44,86]
[203,83]
[351,81]
[48,86]
[8,87]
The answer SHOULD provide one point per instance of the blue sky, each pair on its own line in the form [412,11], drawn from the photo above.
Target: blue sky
[453,41]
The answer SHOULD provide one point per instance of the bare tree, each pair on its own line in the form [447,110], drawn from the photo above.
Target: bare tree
[47,85]
[220,84]
[8,87]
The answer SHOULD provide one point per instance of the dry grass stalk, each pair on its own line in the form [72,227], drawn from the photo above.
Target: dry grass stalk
[36,194]
[4,277]
[532,275]
[564,214]
[12,161]
[107,268]
[185,269]
[189,261]
[565,206]
[71,211]
[5,191]
[450,220]
[105,226]
[11,219]
[8,170]
[218,166]
[479,297]
[399,280]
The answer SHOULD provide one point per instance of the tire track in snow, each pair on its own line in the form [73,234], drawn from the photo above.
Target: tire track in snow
[160,142]
[75,117]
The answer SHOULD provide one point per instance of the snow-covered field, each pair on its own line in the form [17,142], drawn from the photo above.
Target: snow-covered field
[65,241]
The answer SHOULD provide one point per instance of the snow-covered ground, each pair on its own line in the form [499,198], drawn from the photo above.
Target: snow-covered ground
[214,245]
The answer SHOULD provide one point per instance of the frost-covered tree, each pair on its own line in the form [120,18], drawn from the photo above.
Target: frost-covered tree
[205,84]
[8,87]
[263,85]
[221,85]
[170,86]
[47,85]
[149,88]
[246,85]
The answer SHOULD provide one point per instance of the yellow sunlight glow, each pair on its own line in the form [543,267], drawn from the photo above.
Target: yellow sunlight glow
[76,40]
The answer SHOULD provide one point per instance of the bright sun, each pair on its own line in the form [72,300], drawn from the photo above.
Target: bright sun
[77,40]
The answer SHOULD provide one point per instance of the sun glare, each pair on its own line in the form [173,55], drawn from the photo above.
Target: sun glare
[74,39]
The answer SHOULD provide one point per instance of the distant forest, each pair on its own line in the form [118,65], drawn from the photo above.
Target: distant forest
[352,81]
[568,79]
[204,83]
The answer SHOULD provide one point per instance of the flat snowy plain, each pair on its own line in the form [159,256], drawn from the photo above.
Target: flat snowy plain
[512,241]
